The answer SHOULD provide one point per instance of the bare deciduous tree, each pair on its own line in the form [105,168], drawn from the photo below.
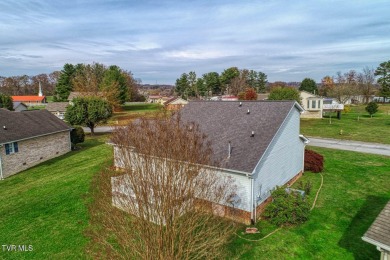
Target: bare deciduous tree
[366,80]
[345,87]
[166,194]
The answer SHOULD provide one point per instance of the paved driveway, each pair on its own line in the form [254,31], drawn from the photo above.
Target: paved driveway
[100,129]
[355,146]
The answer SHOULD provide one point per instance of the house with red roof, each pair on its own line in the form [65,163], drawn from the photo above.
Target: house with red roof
[30,100]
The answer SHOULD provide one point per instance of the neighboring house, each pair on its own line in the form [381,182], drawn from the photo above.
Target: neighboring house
[30,100]
[357,99]
[379,233]
[155,99]
[19,106]
[158,99]
[57,108]
[331,105]
[229,98]
[224,98]
[29,138]
[258,144]
[312,104]
[175,103]
[262,96]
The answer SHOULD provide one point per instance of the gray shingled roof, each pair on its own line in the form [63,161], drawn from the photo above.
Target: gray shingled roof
[57,106]
[224,121]
[379,232]
[28,124]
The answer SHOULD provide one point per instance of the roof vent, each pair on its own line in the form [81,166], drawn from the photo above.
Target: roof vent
[240,105]
[248,112]
[4,127]
[253,134]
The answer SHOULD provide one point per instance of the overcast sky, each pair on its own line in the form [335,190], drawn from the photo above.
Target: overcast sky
[159,40]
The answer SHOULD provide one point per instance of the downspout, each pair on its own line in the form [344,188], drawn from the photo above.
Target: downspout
[252,203]
[1,166]
[70,140]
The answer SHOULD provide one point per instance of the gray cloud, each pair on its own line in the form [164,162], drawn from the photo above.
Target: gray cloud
[159,40]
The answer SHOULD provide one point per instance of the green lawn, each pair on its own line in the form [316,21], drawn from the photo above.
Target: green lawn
[45,206]
[355,190]
[134,110]
[141,107]
[355,125]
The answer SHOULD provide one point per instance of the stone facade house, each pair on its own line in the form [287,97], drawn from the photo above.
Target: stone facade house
[258,144]
[30,137]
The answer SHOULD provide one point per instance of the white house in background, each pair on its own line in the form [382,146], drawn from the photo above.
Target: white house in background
[258,144]
[175,103]
[19,106]
[312,104]
[57,108]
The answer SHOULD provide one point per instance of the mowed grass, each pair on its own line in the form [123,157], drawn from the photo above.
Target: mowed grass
[131,111]
[355,125]
[355,190]
[45,206]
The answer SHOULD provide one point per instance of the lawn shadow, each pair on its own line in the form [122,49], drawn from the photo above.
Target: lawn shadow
[352,237]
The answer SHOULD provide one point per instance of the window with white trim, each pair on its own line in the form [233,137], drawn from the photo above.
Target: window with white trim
[11,148]
[313,104]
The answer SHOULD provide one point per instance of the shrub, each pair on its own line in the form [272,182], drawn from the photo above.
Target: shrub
[372,108]
[77,135]
[287,208]
[314,162]
[347,109]
[305,186]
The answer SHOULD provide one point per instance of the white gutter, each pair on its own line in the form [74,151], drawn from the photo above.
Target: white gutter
[376,243]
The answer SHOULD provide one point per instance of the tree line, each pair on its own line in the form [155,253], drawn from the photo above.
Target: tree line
[118,84]
[113,83]
[231,81]
[25,85]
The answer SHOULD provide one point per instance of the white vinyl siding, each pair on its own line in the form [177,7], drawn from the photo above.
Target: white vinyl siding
[242,188]
[282,161]
[241,183]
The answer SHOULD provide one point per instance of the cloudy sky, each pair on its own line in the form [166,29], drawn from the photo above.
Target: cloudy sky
[159,40]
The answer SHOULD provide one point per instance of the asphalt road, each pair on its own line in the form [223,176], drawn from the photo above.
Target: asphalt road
[100,129]
[355,146]
[348,145]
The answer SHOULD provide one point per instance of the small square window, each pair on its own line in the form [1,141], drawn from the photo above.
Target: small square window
[11,148]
